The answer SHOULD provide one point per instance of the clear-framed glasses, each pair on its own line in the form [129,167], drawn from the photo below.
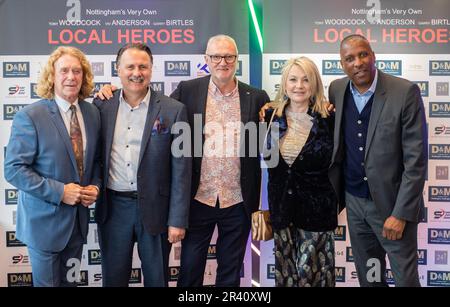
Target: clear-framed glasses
[229,59]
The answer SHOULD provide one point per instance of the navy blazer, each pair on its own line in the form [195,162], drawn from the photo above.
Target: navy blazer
[302,194]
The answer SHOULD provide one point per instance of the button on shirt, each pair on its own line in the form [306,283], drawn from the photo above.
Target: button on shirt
[126,144]
[66,114]
[362,99]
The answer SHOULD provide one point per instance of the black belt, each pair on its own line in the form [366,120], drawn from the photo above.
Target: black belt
[127,194]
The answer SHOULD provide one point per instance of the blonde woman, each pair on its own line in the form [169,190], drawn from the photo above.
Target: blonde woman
[302,202]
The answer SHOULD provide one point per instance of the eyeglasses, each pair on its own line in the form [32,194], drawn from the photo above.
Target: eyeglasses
[229,59]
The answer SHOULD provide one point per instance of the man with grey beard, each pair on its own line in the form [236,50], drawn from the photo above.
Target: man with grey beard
[146,188]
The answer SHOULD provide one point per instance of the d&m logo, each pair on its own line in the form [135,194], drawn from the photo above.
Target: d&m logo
[389,277]
[439,151]
[422,256]
[97,87]
[20,280]
[157,87]
[349,254]
[114,69]
[340,274]
[271,271]
[332,67]
[84,279]
[439,68]
[441,257]
[11,240]
[11,196]
[33,91]
[276,66]
[16,91]
[173,273]
[439,193]
[239,69]
[177,68]
[441,88]
[91,215]
[9,110]
[392,67]
[20,259]
[438,278]
[16,69]
[424,88]
[441,172]
[440,109]
[98,68]
[340,233]
[136,276]
[438,236]
[211,252]
[94,257]
[440,215]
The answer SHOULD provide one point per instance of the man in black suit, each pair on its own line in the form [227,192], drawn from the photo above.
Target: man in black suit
[225,187]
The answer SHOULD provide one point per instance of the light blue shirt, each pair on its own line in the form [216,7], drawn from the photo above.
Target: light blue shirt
[126,146]
[362,99]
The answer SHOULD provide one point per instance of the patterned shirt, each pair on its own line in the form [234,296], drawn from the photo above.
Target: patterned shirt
[220,177]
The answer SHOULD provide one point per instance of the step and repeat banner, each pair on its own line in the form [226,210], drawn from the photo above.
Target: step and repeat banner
[176,31]
[410,40]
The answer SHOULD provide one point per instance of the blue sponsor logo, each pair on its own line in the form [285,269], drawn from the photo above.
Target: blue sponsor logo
[157,87]
[340,274]
[392,67]
[114,69]
[424,87]
[202,68]
[439,68]
[11,240]
[33,91]
[438,236]
[91,215]
[276,66]
[340,233]
[332,67]
[270,271]
[9,110]
[438,278]
[16,69]
[177,68]
[422,256]
[349,254]
[97,87]
[439,151]
[20,280]
[440,109]
[94,257]
[174,271]
[441,257]
[439,193]
[389,277]
[11,196]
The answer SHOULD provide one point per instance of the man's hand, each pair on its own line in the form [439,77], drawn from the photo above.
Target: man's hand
[72,194]
[176,234]
[106,92]
[89,195]
[393,228]
[262,112]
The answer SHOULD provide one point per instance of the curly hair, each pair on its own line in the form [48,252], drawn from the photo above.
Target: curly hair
[46,83]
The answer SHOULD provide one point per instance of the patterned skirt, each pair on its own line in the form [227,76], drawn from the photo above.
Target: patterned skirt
[304,258]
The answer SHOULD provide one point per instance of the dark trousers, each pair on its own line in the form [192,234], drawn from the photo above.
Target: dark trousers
[233,230]
[117,237]
[58,269]
[368,244]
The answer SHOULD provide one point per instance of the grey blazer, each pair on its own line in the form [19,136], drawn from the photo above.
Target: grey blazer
[396,147]
[164,180]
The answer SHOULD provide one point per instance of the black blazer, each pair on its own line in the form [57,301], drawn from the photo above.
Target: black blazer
[193,94]
[302,194]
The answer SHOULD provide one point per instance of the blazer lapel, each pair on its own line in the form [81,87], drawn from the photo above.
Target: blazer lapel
[88,126]
[377,106]
[153,110]
[61,127]
[245,103]
[110,126]
[339,105]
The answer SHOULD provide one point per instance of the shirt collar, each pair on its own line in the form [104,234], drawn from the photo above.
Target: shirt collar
[64,104]
[371,89]
[214,90]
[145,100]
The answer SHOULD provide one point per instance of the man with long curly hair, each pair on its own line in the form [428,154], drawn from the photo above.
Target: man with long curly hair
[51,159]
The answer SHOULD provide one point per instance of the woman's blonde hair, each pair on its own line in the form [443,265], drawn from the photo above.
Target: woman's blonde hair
[317,100]
[46,83]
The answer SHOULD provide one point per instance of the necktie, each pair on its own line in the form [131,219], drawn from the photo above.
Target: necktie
[77,140]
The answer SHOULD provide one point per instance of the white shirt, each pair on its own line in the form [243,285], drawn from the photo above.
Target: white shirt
[66,114]
[126,146]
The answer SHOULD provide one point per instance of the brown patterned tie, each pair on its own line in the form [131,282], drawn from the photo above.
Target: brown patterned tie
[77,139]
